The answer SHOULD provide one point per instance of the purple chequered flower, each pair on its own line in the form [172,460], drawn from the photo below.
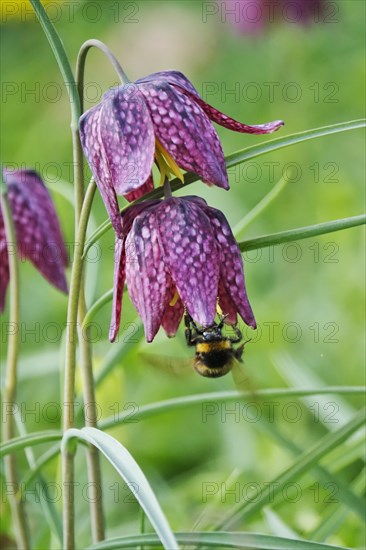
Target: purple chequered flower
[253,16]
[178,253]
[38,232]
[159,115]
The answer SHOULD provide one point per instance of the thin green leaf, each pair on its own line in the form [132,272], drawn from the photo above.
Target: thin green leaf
[61,58]
[215,398]
[104,299]
[277,525]
[295,374]
[19,443]
[153,409]
[302,233]
[50,513]
[331,523]
[147,411]
[292,139]
[260,207]
[302,464]
[345,456]
[43,460]
[130,471]
[247,541]
[321,473]
[238,157]
[263,241]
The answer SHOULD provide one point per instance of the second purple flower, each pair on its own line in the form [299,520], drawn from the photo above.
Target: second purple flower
[178,254]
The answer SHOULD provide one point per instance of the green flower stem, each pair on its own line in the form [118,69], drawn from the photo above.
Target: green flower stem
[80,65]
[94,471]
[86,360]
[302,233]
[75,106]
[17,506]
[104,299]
[76,285]
[91,420]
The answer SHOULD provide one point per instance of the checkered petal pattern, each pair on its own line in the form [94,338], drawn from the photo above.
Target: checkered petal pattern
[178,245]
[38,232]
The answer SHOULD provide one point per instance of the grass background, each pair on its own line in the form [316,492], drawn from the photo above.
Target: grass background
[308,299]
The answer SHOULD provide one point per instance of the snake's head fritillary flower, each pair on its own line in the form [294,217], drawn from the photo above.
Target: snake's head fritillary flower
[160,117]
[37,229]
[253,16]
[178,253]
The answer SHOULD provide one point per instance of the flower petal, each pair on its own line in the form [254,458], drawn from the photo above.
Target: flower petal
[141,191]
[145,272]
[191,255]
[128,138]
[129,214]
[185,131]
[227,305]
[4,264]
[89,127]
[118,286]
[232,124]
[231,271]
[172,77]
[173,314]
[38,231]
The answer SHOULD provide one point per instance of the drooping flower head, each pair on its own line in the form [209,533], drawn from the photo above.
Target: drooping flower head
[254,16]
[178,253]
[160,117]
[38,232]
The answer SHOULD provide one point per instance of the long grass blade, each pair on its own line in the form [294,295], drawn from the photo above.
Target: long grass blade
[129,470]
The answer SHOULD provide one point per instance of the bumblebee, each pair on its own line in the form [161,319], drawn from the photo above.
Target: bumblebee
[215,354]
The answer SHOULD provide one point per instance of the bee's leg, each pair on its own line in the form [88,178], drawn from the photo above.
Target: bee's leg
[190,337]
[190,334]
[189,321]
[238,336]
[222,320]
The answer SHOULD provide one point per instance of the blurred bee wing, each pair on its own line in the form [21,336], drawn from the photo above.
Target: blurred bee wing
[175,366]
[242,379]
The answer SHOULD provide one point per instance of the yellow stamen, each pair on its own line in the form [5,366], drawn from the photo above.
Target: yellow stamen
[219,310]
[166,163]
[175,298]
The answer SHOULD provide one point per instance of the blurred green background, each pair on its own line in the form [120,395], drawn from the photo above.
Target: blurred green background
[308,298]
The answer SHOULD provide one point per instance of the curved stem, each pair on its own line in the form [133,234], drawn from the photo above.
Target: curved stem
[80,65]
[62,60]
[17,506]
[104,299]
[86,360]
[77,299]
[75,106]
[70,364]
